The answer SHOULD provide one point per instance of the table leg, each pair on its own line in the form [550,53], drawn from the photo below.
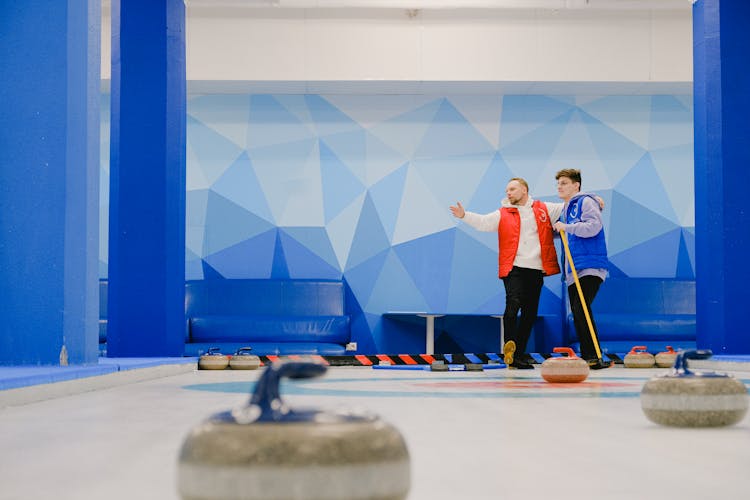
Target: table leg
[430,332]
[502,331]
[430,348]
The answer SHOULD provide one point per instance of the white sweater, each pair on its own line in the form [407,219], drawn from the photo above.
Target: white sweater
[529,254]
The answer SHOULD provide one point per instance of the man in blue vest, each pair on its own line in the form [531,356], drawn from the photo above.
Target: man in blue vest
[581,220]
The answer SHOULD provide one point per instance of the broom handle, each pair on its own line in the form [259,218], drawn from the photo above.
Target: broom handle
[564,238]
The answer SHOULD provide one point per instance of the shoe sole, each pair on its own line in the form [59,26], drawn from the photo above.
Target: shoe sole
[602,366]
[509,349]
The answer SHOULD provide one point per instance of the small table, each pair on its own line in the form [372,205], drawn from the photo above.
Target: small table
[430,325]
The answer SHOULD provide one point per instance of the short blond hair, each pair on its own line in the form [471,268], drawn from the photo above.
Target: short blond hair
[520,181]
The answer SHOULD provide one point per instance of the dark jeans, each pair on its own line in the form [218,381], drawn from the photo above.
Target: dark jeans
[522,290]
[590,286]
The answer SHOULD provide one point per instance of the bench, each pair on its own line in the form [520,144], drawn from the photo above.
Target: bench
[274,317]
[654,312]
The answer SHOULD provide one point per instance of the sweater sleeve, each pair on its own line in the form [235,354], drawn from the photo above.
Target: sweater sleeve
[554,210]
[487,222]
[591,220]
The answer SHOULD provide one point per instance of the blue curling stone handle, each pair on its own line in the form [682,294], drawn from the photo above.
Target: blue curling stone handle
[266,405]
[681,370]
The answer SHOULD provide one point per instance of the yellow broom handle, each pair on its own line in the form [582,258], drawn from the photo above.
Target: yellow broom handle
[564,238]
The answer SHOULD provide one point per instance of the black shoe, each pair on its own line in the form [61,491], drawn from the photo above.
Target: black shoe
[521,365]
[598,364]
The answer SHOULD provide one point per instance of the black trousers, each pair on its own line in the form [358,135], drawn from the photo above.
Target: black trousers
[522,290]
[590,286]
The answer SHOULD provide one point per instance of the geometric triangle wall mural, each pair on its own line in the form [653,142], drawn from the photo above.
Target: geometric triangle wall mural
[317,187]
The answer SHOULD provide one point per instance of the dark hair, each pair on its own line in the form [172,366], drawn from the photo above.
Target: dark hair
[571,173]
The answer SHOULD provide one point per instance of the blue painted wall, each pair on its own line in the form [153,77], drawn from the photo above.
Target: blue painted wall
[358,187]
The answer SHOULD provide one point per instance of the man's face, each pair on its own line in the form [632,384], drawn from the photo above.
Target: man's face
[516,192]
[566,188]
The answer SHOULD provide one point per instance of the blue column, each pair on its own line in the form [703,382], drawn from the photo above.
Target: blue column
[147,179]
[49,181]
[721,44]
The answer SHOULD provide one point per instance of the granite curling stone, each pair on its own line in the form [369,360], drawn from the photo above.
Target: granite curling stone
[566,369]
[683,398]
[639,358]
[243,360]
[213,360]
[439,366]
[269,451]
[665,359]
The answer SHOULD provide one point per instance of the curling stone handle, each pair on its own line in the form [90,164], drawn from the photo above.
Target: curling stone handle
[266,395]
[680,363]
[244,350]
[213,350]
[565,350]
[638,348]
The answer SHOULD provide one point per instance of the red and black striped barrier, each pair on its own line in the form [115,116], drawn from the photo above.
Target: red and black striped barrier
[409,359]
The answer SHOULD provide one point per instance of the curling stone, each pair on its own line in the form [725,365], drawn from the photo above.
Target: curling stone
[439,366]
[474,367]
[566,369]
[243,360]
[665,359]
[639,358]
[683,398]
[213,360]
[269,451]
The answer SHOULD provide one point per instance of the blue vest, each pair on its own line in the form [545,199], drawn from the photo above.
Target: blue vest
[588,253]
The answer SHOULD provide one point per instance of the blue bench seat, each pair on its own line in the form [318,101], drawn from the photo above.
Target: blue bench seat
[655,312]
[271,316]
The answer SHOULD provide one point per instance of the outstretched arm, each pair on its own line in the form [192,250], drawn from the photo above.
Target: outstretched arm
[487,222]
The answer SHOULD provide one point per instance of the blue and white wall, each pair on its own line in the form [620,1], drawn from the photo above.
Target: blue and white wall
[357,187]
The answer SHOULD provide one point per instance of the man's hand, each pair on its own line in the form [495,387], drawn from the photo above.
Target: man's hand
[601,201]
[558,226]
[458,210]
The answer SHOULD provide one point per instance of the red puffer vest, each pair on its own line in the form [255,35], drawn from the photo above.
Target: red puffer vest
[509,232]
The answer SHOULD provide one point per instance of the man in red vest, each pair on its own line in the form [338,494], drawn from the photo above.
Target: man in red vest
[526,255]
